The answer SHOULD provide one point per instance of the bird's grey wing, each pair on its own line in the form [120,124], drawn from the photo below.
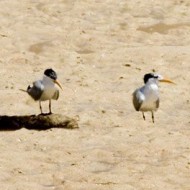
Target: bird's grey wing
[137,99]
[36,90]
[56,95]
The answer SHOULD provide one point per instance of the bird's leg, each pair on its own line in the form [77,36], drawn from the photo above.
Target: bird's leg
[50,107]
[40,107]
[143,115]
[152,116]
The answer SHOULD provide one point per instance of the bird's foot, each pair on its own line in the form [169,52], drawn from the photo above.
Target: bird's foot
[45,114]
[49,113]
[42,114]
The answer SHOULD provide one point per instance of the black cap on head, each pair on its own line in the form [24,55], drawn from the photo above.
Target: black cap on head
[148,76]
[50,73]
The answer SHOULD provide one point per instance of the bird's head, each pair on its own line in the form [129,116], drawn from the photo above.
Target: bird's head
[156,77]
[50,73]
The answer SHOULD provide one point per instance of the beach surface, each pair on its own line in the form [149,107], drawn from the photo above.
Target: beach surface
[100,51]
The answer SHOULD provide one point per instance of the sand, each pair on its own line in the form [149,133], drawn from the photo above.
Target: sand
[100,50]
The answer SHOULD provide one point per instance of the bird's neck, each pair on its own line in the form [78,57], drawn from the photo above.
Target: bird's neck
[152,86]
[48,81]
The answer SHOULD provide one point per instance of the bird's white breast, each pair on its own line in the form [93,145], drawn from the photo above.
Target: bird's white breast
[149,95]
[48,90]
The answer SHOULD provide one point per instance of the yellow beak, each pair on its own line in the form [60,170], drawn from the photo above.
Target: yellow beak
[166,80]
[58,83]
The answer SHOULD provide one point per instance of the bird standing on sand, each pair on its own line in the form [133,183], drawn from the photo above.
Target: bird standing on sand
[45,89]
[146,98]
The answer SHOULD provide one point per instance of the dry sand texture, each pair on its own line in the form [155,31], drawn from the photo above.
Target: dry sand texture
[100,50]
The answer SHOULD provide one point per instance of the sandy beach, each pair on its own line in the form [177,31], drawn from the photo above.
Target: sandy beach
[100,51]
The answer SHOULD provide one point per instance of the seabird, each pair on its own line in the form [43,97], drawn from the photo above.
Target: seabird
[146,98]
[45,89]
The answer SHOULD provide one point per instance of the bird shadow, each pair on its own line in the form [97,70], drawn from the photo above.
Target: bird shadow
[36,122]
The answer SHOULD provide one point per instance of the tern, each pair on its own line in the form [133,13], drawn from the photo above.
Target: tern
[45,89]
[146,98]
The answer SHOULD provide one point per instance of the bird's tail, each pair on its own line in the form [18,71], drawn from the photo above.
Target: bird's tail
[23,90]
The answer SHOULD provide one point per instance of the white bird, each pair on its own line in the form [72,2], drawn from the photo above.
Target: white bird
[45,89]
[146,98]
